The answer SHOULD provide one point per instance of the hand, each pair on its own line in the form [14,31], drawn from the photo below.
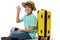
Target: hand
[18,9]
[19,30]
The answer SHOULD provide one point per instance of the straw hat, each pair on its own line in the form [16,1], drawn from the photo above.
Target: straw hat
[29,3]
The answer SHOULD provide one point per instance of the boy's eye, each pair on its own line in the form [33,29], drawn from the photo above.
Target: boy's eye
[29,7]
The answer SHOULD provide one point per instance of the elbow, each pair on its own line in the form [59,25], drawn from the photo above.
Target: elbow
[31,29]
[17,21]
[28,31]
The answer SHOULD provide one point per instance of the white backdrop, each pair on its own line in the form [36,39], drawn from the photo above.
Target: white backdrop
[8,15]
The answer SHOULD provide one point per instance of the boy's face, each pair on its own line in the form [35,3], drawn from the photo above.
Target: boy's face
[28,9]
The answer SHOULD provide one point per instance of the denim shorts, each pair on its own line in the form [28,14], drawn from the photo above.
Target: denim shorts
[20,35]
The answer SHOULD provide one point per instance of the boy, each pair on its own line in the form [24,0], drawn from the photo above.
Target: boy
[30,22]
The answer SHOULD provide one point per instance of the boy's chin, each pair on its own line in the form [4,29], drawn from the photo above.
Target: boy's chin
[26,12]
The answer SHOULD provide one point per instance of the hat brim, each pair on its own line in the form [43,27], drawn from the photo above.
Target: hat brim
[24,4]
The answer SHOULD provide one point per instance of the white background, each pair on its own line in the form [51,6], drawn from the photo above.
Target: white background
[8,15]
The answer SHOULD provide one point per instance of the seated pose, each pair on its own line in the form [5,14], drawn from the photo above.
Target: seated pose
[30,22]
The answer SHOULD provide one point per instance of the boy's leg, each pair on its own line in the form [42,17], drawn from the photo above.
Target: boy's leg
[21,35]
[6,38]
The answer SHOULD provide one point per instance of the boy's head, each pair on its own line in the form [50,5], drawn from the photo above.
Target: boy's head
[29,7]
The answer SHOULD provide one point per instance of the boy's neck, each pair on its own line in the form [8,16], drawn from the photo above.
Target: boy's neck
[29,13]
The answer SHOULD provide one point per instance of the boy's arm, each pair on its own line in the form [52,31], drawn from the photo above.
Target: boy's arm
[26,30]
[17,16]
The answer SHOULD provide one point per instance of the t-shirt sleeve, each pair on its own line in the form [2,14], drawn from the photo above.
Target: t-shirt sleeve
[33,21]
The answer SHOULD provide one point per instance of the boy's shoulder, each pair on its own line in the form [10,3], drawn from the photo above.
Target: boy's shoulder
[33,15]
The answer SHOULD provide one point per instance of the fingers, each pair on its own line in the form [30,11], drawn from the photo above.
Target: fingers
[18,30]
[18,7]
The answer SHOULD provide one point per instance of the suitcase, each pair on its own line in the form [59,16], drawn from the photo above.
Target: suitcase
[44,24]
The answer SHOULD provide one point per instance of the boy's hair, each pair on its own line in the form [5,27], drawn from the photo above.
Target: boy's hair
[29,5]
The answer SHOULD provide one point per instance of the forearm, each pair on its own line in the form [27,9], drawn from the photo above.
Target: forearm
[17,18]
[26,30]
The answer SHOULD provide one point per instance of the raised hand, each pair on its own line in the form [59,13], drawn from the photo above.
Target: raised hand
[18,9]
